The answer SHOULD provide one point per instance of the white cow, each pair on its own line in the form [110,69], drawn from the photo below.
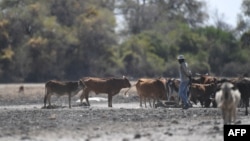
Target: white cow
[227,99]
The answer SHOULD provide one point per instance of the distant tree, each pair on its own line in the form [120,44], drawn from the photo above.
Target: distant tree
[51,39]
[141,56]
[143,15]
[222,47]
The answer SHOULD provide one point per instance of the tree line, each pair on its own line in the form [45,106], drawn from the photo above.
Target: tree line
[66,40]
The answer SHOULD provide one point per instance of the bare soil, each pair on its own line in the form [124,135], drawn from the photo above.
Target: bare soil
[23,119]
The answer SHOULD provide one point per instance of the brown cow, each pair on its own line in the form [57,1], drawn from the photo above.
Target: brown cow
[202,93]
[110,86]
[205,79]
[166,82]
[151,89]
[61,88]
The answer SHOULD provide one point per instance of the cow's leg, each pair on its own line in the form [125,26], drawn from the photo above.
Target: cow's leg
[227,116]
[154,102]
[145,101]
[167,93]
[109,100]
[202,103]
[87,99]
[45,97]
[224,116]
[69,100]
[246,111]
[149,100]
[140,101]
[85,94]
[157,101]
[207,102]
[246,105]
[82,96]
[178,100]
[230,115]
[233,115]
[45,100]
[49,99]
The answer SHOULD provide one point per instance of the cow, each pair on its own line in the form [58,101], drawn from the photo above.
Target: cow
[227,99]
[150,88]
[61,88]
[165,82]
[202,93]
[110,86]
[173,90]
[205,79]
[243,85]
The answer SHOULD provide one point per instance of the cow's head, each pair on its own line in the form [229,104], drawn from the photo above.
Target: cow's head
[228,89]
[126,82]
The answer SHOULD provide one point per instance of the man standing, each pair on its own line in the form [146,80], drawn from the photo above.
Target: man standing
[185,78]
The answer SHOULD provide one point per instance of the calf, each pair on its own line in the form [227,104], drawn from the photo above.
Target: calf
[60,88]
[227,100]
[110,86]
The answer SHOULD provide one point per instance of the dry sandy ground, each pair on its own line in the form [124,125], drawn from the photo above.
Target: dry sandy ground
[22,118]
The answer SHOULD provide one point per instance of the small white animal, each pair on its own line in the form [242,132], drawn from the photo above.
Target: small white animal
[227,99]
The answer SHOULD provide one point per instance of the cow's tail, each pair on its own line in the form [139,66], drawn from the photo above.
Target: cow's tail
[125,93]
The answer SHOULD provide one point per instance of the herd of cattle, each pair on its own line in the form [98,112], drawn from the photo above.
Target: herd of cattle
[202,89]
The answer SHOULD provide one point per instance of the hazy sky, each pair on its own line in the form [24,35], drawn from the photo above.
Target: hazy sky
[227,10]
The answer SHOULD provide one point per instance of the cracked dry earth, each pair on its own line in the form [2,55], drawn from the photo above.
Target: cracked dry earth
[23,119]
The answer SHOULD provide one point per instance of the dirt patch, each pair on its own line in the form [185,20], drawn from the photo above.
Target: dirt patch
[22,118]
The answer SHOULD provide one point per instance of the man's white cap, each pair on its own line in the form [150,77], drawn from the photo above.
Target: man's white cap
[180,57]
